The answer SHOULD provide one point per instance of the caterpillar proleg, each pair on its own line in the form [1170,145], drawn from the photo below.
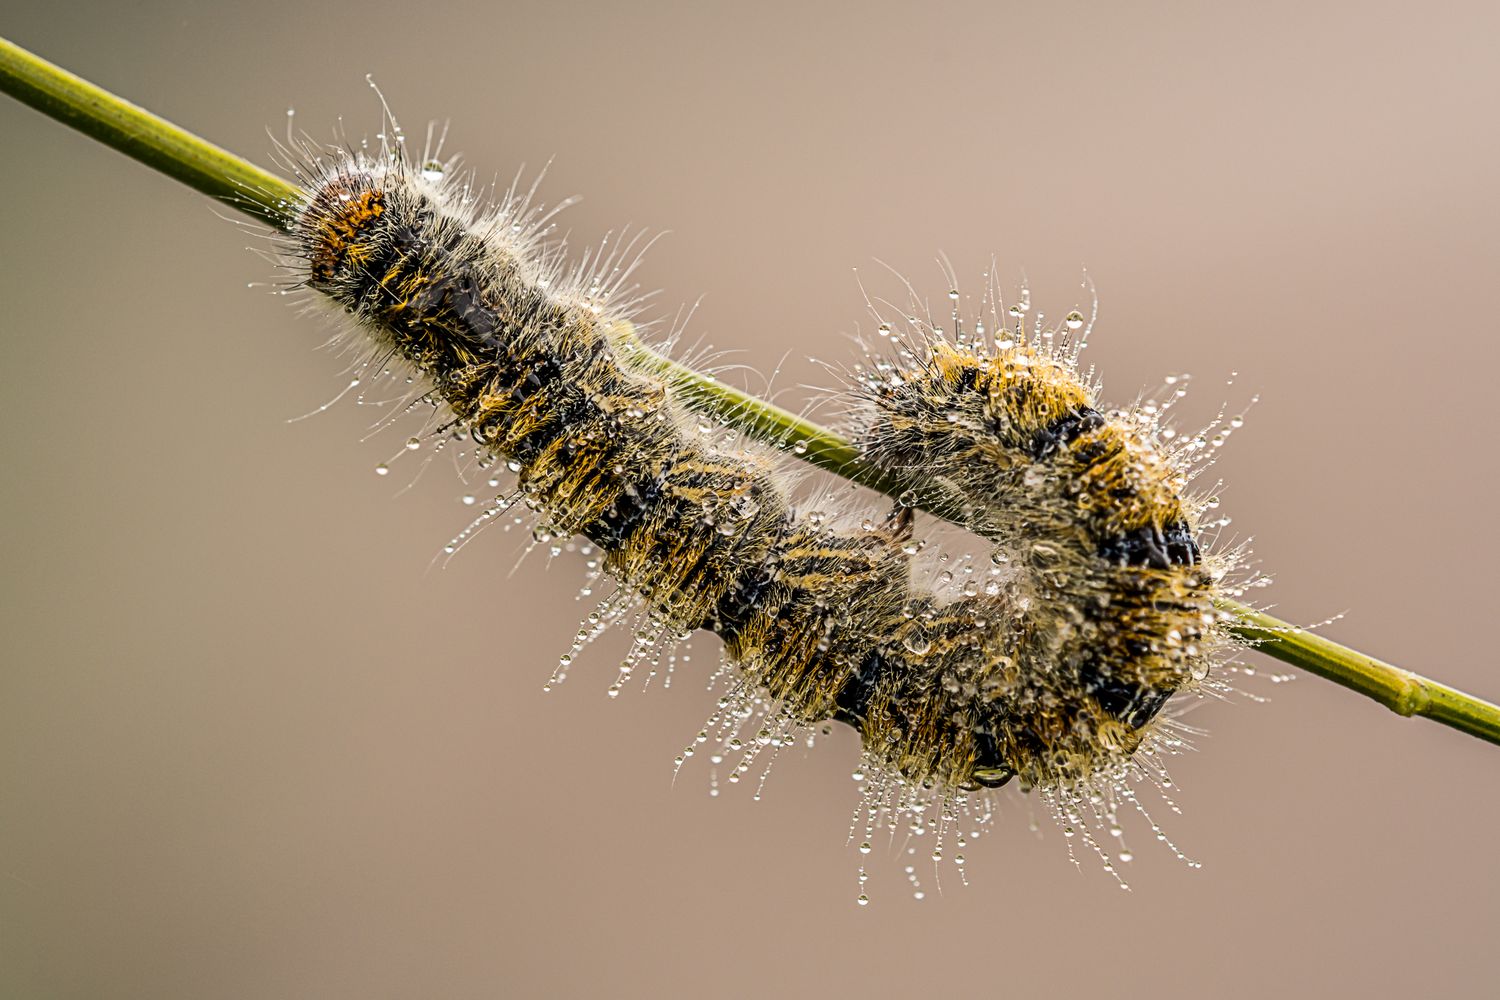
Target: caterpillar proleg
[1051,668]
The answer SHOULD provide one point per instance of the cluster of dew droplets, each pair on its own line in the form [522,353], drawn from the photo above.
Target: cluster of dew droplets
[494,511]
[614,608]
[919,822]
[1224,688]
[657,644]
[1190,456]
[1090,813]
[1193,454]
[679,654]
[1079,814]
[499,476]
[370,373]
[654,637]
[744,735]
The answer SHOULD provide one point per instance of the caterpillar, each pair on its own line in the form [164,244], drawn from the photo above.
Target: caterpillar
[1098,605]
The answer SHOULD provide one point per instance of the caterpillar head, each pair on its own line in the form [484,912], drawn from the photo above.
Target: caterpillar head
[341,225]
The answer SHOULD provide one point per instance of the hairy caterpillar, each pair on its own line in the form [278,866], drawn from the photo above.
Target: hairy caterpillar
[1099,606]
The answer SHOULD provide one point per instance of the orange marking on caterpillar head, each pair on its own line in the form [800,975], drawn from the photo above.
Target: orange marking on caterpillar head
[340,219]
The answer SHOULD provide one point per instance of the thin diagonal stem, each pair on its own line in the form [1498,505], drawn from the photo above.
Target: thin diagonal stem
[220,174]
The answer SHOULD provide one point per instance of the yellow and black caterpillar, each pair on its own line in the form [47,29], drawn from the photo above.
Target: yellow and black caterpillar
[1054,673]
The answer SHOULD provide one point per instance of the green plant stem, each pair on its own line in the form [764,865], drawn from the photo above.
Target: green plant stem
[138,133]
[220,174]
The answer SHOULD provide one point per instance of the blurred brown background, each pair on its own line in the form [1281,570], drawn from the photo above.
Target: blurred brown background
[252,746]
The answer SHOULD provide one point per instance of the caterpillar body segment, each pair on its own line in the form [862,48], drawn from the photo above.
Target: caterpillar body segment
[1113,602]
